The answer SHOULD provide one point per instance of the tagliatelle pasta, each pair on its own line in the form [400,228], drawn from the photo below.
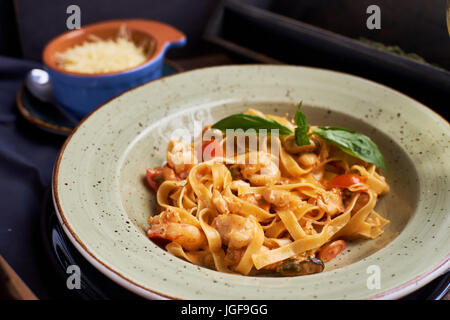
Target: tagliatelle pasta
[264,210]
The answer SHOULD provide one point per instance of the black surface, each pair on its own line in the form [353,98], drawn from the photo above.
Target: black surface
[39,21]
[251,25]
[416,26]
[62,254]
[9,38]
[27,155]
[94,285]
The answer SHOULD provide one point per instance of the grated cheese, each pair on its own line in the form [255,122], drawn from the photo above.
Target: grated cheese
[102,55]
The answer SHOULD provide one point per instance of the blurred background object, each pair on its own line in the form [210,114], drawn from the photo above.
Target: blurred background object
[414,25]
[407,53]
[50,17]
[9,34]
[333,35]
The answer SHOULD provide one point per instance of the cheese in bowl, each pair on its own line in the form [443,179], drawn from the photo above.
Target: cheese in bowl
[96,55]
[91,65]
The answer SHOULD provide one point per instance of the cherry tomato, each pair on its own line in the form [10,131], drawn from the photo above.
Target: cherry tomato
[211,149]
[331,250]
[154,178]
[346,180]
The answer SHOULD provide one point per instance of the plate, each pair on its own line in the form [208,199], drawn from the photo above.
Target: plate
[103,203]
[96,286]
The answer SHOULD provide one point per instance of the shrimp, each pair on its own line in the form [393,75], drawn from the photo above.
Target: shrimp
[279,198]
[168,225]
[236,184]
[264,172]
[308,159]
[181,158]
[331,201]
[235,231]
[256,199]
[219,202]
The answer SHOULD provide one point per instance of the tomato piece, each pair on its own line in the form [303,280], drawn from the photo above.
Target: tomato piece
[346,180]
[154,178]
[210,149]
[331,250]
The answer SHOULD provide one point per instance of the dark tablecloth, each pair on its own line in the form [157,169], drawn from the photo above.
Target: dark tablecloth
[27,155]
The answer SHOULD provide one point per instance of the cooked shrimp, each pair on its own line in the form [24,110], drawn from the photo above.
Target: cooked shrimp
[279,198]
[331,201]
[264,172]
[307,159]
[236,231]
[256,199]
[169,226]
[219,202]
[180,157]
[238,183]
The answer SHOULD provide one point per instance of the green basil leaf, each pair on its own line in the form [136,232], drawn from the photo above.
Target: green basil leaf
[301,132]
[250,121]
[354,143]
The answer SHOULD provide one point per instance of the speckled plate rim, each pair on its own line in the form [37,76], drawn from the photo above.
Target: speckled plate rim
[393,293]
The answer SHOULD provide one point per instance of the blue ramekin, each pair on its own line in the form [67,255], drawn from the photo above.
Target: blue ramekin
[80,93]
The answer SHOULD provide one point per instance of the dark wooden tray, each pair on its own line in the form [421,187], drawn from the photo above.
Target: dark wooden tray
[253,30]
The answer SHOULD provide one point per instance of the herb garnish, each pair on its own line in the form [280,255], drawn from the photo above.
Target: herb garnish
[351,142]
[250,121]
[301,132]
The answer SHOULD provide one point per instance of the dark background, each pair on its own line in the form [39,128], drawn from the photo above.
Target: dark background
[415,25]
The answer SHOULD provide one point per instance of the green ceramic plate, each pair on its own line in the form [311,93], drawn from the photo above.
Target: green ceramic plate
[103,203]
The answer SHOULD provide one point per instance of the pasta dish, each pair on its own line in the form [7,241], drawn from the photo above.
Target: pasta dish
[284,206]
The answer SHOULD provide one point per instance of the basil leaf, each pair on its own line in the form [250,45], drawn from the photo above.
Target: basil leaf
[354,143]
[301,132]
[250,121]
